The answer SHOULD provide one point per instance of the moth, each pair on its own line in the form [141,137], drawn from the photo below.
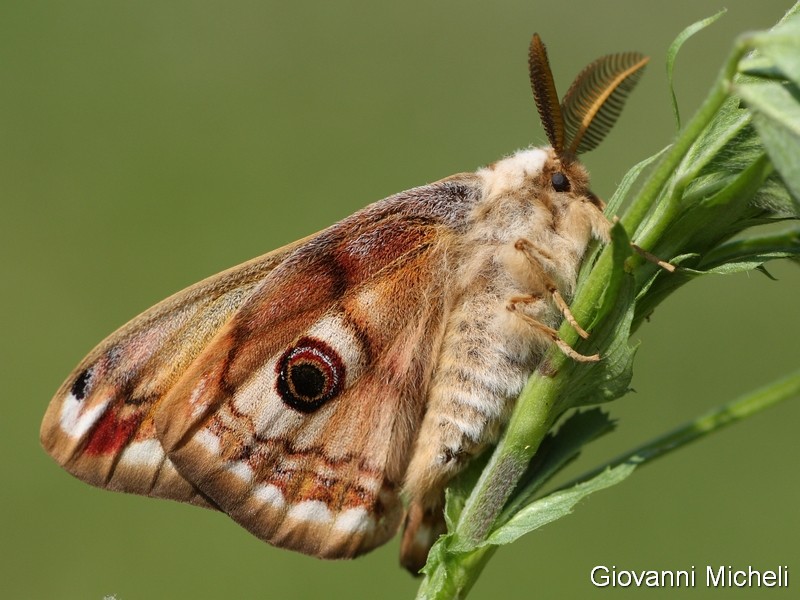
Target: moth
[326,391]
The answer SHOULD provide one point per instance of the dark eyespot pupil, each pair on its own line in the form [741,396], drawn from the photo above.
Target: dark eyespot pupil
[309,374]
[307,380]
[560,182]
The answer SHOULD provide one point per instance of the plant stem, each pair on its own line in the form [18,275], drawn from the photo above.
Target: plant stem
[714,420]
[457,580]
[657,183]
[532,419]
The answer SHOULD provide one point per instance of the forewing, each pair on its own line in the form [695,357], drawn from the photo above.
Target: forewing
[200,376]
[99,425]
[298,419]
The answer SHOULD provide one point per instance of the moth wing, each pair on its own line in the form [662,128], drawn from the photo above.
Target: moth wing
[99,424]
[299,418]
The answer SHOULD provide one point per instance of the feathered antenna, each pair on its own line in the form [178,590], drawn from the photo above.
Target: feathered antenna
[595,99]
[545,94]
[592,104]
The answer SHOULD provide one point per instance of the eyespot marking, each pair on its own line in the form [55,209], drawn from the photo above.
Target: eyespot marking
[309,374]
[560,182]
[81,385]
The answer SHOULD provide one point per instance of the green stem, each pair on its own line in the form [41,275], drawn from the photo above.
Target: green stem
[658,181]
[457,580]
[714,420]
[531,421]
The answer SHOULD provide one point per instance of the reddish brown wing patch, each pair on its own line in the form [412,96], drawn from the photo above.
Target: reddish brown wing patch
[112,433]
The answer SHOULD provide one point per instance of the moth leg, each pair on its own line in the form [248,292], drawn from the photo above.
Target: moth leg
[512,306]
[653,258]
[532,253]
[647,255]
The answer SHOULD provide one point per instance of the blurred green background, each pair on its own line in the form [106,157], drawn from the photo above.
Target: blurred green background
[146,145]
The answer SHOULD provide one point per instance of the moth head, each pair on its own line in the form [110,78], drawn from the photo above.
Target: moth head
[565,182]
[591,105]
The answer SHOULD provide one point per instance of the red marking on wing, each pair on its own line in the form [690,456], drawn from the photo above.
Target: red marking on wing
[361,257]
[112,433]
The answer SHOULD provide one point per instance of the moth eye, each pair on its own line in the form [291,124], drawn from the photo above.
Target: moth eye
[560,182]
[309,374]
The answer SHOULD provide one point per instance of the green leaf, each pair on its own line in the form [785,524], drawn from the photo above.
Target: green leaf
[754,262]
[776,117]
[778,50]
[727,145]
[610,377]
[615,284]
[556,505]
[711,219]
[558,450]
[701,227]
[672,54]
[624,187]
[782,244]
[761,67]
